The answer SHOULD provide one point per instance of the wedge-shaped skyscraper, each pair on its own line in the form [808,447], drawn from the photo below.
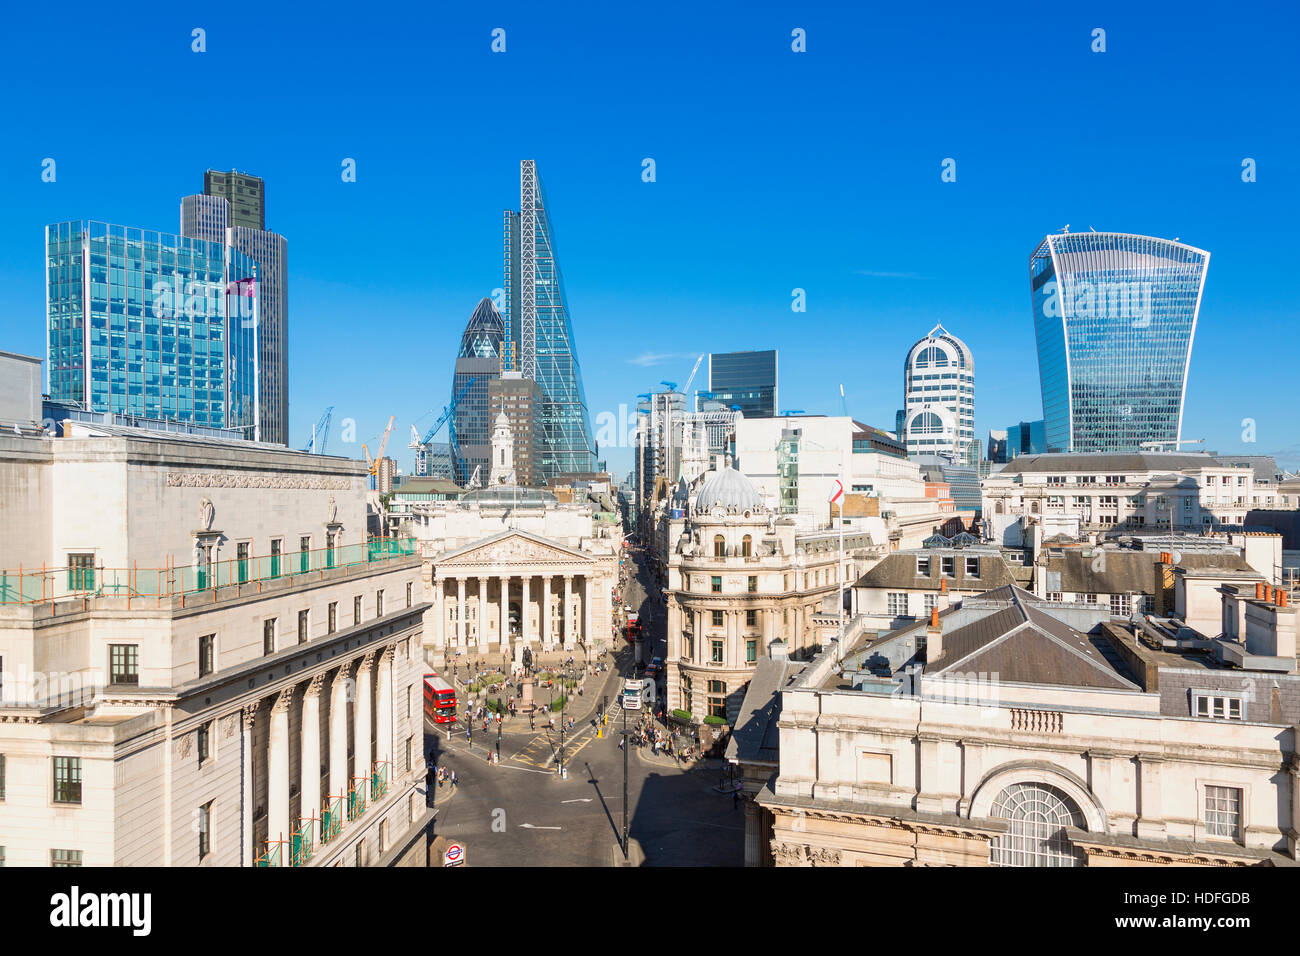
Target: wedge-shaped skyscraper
[1114,315]
[539,333]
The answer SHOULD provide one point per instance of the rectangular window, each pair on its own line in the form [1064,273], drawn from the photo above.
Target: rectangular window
[2,778]
[947,565]
[1121,605]
[81,572]
[410,590]
[379,603]
[277,546]
[408,703]
[753,583]
[717,652]
[931,602]
[751,651]
[205,830]
[67,780]
[124,663]
[897,603]
[717,698]
[207,654]
[204,736]
[972,567]
[303,632]
[65,858]
[1223,811]
[383,834]
[716,584]
[751,618]
[923,567]
[268,636]
[410,753]
[356,609]
[1218,707]
[304,552]
[241,562]
[333,617]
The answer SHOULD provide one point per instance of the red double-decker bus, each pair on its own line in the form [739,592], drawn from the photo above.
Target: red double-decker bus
[439,700]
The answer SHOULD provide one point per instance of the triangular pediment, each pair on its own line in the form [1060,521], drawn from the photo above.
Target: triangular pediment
[509,548]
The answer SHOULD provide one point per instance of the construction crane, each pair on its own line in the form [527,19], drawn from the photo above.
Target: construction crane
[447,412]
[844,405]
[320,433]
[373,463]
[671,386]
[687,389]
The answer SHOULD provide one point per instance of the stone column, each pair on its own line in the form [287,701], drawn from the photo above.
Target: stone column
[482,615]
[309,775]
[247,718]
[339,694]
[439,612]
[524,615]
[460,612]
[587,595]
[753,834]
[361,738]
[277,771]
[384,711]
[566,612]
[545,601]
[505,613]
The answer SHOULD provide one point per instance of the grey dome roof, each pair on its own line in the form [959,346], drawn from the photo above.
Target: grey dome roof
[729,490]
[511,496]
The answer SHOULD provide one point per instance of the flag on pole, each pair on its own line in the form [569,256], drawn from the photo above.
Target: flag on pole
[837,491]
[246,287]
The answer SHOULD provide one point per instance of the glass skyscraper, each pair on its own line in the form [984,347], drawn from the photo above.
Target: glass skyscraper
[232,210]
[539,334]
[142,323]
[1114,316]
[479,360]
[744,380]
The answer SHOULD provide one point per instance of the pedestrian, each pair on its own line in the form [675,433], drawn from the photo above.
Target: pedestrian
[735,799]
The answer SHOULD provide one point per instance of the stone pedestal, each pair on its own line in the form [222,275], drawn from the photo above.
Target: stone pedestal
[526,703]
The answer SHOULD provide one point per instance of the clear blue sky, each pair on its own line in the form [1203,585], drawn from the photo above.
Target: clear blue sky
[775,170]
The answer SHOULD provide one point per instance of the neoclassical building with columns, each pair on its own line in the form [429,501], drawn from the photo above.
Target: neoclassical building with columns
[509,567]
[205,661]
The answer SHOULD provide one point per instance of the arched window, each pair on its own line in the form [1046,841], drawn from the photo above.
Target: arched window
[1039,814]
[746,546]
[719,546]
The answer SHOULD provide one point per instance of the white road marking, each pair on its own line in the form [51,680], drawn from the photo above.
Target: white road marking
[579,800]
[529,826]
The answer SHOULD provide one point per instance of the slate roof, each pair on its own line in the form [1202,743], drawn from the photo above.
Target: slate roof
[898,570]
[1098,571]
[1021,643]
[756,738]
[1108,463]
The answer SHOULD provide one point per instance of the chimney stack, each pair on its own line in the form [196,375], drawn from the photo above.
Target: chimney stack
[933,637]
[1259,590]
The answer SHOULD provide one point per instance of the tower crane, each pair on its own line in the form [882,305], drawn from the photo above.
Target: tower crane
[320,433]
[447,412]
[373,463]
[687,389]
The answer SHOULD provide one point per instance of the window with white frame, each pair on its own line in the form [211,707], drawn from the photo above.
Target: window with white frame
[1223,811]
[1121,604]
[931,602]
[897,603]
[1217,706]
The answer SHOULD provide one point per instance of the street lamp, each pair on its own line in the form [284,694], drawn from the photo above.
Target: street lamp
[626,747]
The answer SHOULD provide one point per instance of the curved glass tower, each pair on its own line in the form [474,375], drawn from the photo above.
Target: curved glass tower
[540,341]
[1114,316]
[479,359]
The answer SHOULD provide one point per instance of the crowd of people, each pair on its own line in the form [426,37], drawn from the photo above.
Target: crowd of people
[647,733]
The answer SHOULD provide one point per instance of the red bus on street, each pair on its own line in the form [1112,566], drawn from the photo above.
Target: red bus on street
[439,700]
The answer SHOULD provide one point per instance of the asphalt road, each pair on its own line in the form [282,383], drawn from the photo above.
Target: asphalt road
[520,812]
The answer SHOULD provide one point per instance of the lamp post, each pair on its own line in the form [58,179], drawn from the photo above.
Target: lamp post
[626,747]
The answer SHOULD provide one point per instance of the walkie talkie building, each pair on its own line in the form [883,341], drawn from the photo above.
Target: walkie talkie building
[1114,316]
[540,341]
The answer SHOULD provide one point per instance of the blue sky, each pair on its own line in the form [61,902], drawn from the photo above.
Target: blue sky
[775,170]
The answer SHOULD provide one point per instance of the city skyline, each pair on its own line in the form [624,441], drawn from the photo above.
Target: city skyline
[875,289]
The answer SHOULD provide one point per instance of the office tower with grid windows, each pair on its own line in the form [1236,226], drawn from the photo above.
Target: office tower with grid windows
[743,380]
[938,414]
[232,210]
[1114,316]
[540,343]
[143,323]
